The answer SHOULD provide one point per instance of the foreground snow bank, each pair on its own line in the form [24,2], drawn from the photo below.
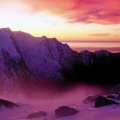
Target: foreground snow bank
[43,107]
[86,111]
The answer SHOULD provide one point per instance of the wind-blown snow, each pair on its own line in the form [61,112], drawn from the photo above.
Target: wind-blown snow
[73,98]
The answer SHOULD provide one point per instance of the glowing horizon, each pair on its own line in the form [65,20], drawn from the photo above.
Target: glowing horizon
[67,21]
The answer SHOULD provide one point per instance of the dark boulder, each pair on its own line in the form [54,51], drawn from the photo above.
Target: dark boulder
[102,101]
[90,99]
[64,111]
[7,103]
[36,114]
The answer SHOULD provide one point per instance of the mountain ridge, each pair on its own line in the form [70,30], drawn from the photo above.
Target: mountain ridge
[29,59]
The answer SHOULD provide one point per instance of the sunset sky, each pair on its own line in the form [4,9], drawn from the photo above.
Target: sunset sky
[67,20]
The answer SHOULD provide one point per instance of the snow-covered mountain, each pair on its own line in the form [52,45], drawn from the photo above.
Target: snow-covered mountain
[24,57]
[44,56]
[28,59]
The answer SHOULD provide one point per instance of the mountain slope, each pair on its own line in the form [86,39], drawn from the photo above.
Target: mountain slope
[13,69]
[25,59]
[45,57]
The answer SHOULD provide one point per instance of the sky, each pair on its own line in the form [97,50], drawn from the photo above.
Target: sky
[66,20]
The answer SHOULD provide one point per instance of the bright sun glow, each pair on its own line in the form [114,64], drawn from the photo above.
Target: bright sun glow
[17,16]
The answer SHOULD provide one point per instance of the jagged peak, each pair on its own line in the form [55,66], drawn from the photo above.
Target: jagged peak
[105,52]
[100,53]
[54,39]
[7,29]
[43,37]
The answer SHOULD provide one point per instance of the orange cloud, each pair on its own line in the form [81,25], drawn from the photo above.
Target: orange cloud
[79,11]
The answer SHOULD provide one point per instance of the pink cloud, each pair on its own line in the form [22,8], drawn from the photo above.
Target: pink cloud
[80,11]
